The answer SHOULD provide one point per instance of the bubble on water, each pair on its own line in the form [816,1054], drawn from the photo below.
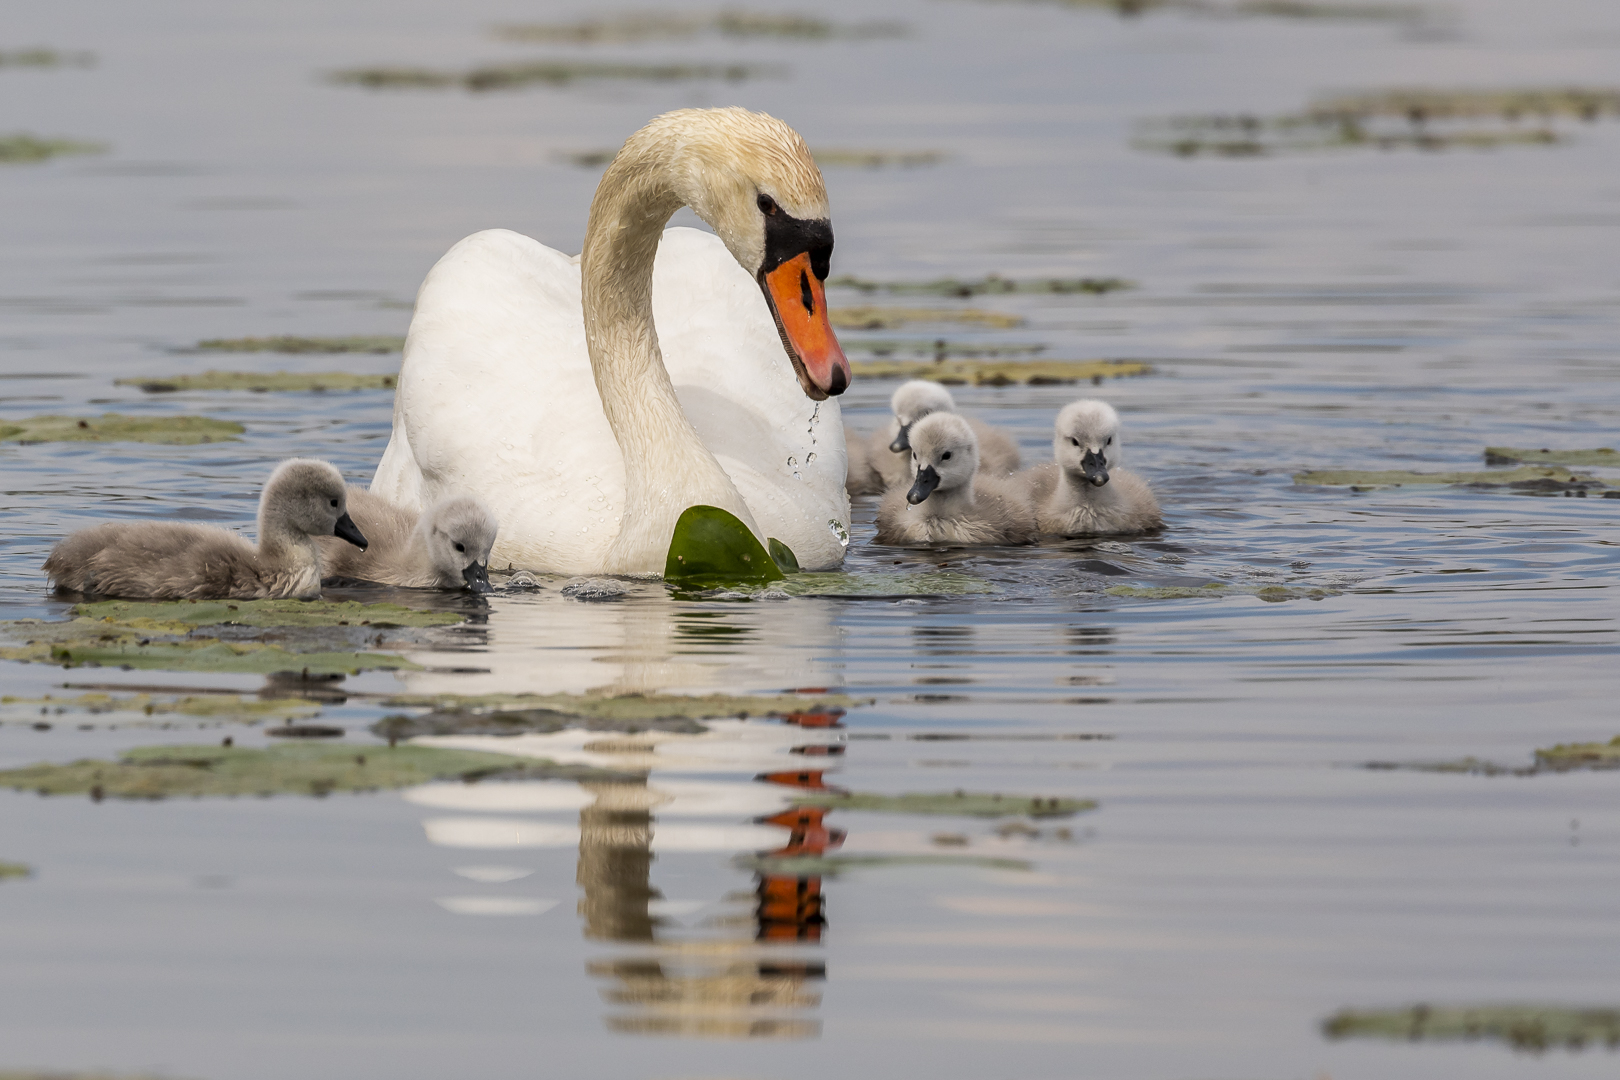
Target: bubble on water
[840,533]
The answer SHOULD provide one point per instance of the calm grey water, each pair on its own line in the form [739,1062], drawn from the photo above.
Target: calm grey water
[1242,879]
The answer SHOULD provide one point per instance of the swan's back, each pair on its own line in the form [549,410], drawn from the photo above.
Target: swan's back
[168,561]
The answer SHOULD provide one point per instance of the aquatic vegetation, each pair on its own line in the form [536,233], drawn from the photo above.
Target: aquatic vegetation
[260,382]
[712,547]
[668,26]
[872,586]
[179,616]
[940,349]
[831,866]
[455,714]
[549,72]
[892,318]
[1002,372]
[990,284]
[14,870]
[1346,10]
[876,159]
[45,58]
[1422,104]
[222,707]
[199,654]
[957,803]
[1549,477]
[1507,455]
[1565,757]
[1533,1028]
[286,343]
[113,427]
[157,772]
[30,149]
[1273,594]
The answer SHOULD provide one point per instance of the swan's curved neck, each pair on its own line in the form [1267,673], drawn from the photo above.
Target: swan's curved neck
[667,468]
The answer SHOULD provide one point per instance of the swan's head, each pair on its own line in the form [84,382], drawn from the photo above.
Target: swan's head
[1086,443]
[913,401]
[751,178]
[944,455]
[460,531]
[309,497]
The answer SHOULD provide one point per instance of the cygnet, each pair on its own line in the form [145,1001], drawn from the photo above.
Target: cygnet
[303,499]
[950,500]
[446,547]
[1085,492]
[883,459]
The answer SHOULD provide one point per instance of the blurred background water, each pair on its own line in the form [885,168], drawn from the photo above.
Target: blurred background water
[1339,307]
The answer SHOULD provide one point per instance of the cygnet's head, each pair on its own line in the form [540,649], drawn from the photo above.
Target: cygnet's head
[944,455]
[1086,443]
[460,531]
[307,497]
[751,178]
[913,401]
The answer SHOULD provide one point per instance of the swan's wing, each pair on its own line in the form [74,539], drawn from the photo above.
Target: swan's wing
[784,452]
[496,400]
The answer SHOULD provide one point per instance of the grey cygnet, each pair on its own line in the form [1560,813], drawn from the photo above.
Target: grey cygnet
[883,459]
[1085,492]
[949,499]
[446,547]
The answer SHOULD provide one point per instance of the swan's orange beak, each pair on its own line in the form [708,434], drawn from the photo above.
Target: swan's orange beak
[799,303]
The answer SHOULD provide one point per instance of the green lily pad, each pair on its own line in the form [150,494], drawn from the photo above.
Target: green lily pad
[549,72]
[993,284]
[112,427]
[285,343]
[712,547]
[226,707]
[155,772]
[1523,1027]
[805,866]
[14,870]
[158,614]
[959,803]
[885,585]
[30,150]
[1504,455]
[1525,475]
[783,556]
[1000,372]
[261,382]
[892,318]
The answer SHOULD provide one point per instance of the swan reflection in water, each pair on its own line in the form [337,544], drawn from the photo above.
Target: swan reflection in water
[741,972]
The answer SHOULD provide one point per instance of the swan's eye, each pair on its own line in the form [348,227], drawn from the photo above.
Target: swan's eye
[946,456]
[462,548]
[334,503]
[1074,440]
[767,205]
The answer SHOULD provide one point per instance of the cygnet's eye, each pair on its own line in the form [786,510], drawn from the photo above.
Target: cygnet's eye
[946,456]
[462,548]
[1074,440]
[767,205]
[334,503]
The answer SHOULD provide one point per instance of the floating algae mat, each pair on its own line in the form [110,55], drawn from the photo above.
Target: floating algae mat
[187,614]
[883,585]
[551,73]
[1565,757]
[1512,105]
[668,26]
[837,158]
[992,284]
[113,427]
[1506,455]
[1000,372]
[30,149]
[958,803]
[941,349]
[260,382]
[14,870]
[1534,1028]
[510,714]
[1276,9]
[156,772]
[892,318]
[289,344]
[45,58]
[201,654]
[1548,477]
[1273,594]
[156,708]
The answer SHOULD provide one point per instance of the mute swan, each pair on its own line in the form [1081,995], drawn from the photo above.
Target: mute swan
[170,561]
[1084,492]
[883,460]
[589,402]
[950,500]
[446,547]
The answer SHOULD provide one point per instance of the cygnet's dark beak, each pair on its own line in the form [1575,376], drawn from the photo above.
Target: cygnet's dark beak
[1095,466]
[927,481]
[345,530]
[476,575]
[902,441]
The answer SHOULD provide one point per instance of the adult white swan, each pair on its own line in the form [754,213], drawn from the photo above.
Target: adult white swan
[539,384]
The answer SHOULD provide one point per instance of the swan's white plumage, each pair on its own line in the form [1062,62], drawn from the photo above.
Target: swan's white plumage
[496,372]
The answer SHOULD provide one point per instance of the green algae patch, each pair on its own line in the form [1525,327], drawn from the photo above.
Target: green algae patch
[885,585]
[495,714]
[113,427]
[1422,104]
[220,707]
[674,26]
[1531,1028]
[9,870]
[1468,766]
[1565,757]
[285,343]
[156,772]
[941,349]
[1170,592]
[805,866]
[956,804]
[712,547]
[158,614]
[549,73]
[1534,476]
[1002,372]
[1325,10]
[261,382]
[1507,455]
[991,285]
[1568,756]
[30,149]
[868,317]
[45,58]
[203,654]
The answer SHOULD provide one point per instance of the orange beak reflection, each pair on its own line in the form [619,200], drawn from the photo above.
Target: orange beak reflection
[799,303]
